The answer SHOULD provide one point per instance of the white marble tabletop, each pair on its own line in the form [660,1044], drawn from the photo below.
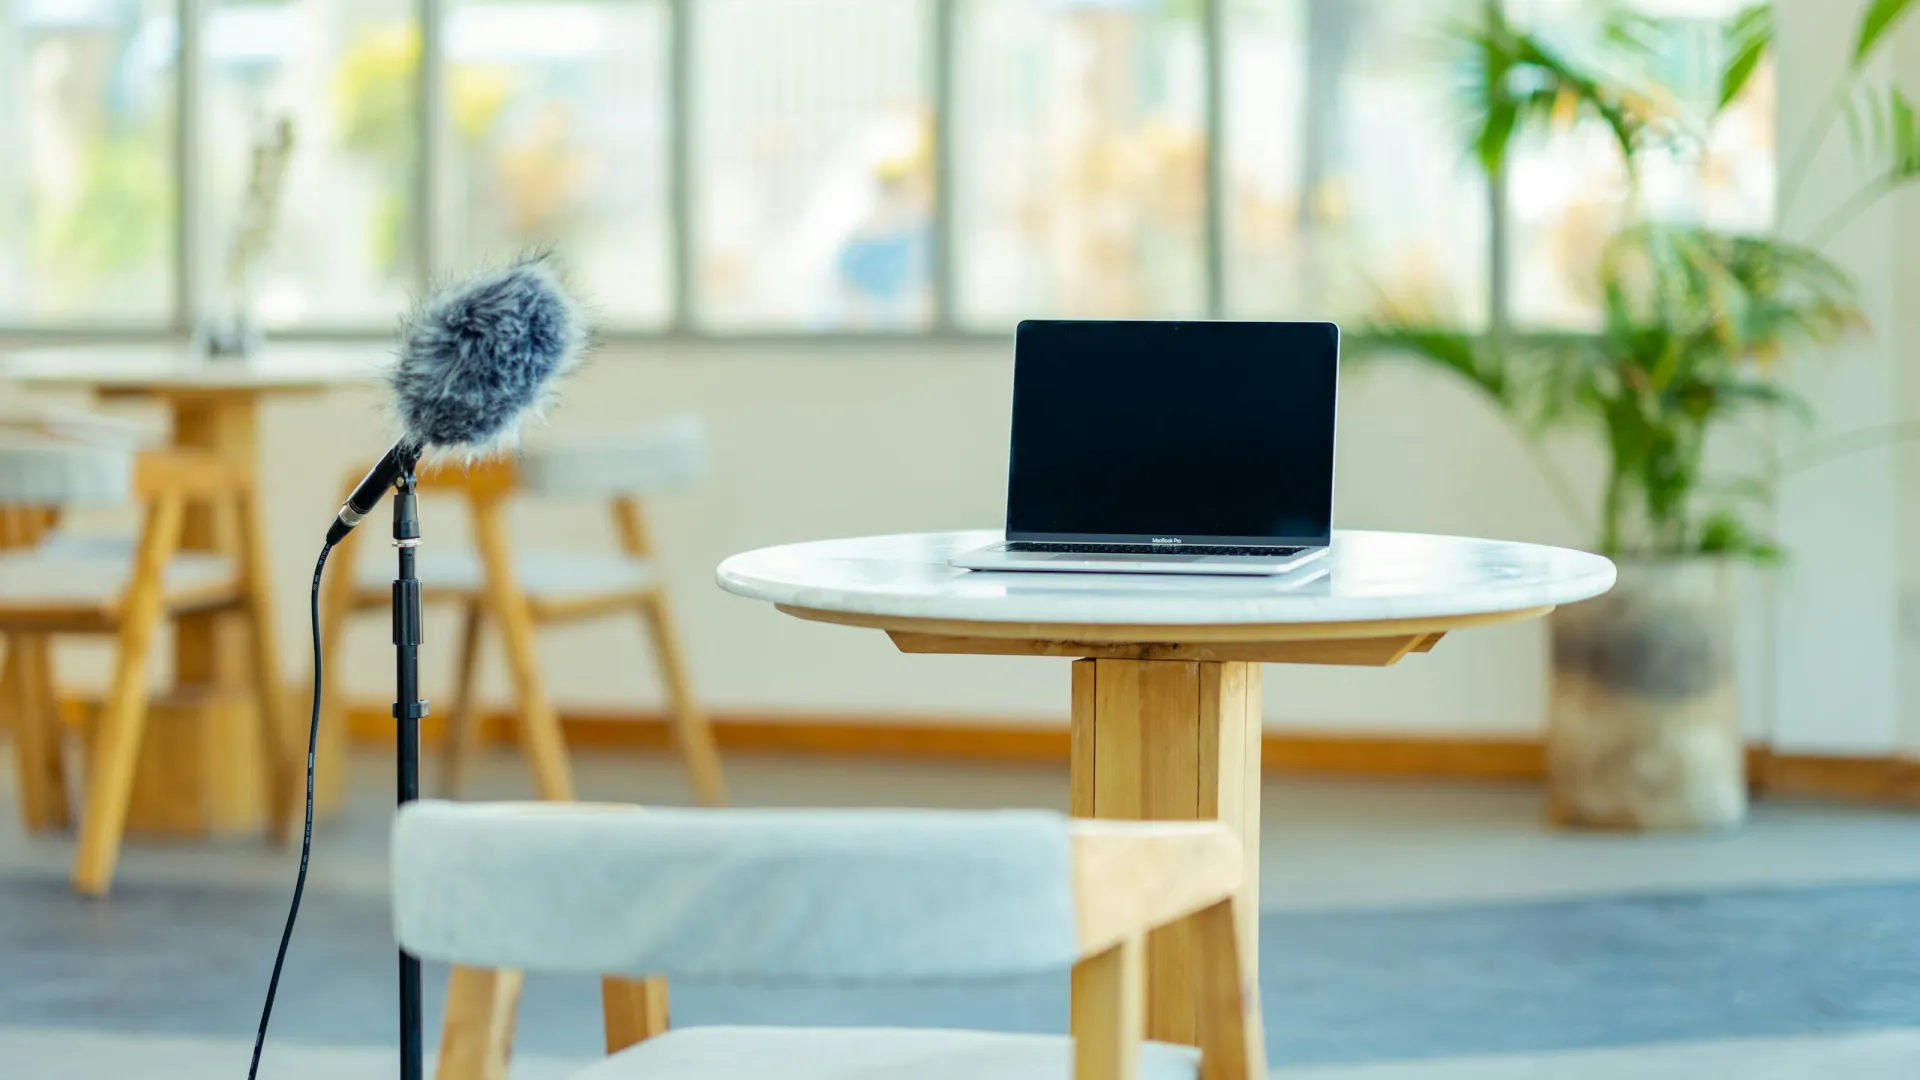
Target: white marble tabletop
[289,366]
[1370,576]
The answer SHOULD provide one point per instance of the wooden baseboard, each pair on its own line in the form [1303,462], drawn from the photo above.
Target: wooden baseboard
[1872,781]
[1405,756]
[1875,781]
[825,735]
[957,739]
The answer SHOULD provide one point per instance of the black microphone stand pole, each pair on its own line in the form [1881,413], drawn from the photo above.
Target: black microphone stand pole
[408,708]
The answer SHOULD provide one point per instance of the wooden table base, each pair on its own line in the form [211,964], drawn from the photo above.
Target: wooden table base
[1172,740]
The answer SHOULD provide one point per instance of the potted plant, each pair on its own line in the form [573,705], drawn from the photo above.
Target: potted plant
[1643,728]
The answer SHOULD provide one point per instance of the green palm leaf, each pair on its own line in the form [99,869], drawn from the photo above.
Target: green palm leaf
[1881,17]
[1749,35]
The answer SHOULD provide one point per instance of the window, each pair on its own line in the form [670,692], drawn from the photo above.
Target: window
[1080,160]
[341,76]
[1325,218]
[557,134]
[796,167]
[814,154]
[87,202]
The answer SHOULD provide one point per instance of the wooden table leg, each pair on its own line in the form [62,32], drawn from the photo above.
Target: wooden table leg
[1172,740]
[213,650]
[28,689]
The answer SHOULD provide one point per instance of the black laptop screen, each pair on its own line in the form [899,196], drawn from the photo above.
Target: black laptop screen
[1205,432]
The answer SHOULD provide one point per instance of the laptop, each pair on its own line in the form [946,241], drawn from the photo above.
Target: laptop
[1169,448]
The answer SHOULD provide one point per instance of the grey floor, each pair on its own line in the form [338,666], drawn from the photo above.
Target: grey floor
[1410,933]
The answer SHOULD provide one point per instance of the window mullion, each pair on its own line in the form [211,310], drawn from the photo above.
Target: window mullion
[430,164]
[189,236]
[1214,50]
[946,257]
[683,236]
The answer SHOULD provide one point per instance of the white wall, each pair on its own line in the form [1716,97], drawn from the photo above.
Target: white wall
[1906,455]
[1850,524]
[812,442]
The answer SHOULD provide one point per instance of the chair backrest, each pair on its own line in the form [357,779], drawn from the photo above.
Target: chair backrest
[44,470]
[661,456]
[789,895]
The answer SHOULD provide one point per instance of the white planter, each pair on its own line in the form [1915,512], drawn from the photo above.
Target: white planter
[1643,726]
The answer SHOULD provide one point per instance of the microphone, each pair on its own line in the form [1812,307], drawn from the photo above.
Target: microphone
[474,361]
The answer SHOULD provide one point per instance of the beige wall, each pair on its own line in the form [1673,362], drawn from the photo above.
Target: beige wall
[813,441]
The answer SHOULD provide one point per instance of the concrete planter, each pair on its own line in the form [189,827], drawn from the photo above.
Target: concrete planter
[1643,727]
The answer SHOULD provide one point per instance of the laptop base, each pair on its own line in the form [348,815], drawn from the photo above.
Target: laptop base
[997,557]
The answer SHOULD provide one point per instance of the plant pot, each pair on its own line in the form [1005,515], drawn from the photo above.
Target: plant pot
[230,336]
[1643,724]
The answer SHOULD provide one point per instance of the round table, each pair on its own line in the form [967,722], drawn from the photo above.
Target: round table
[1166,683]
[213,405]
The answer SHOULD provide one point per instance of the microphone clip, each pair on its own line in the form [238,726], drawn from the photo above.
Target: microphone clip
[398,462]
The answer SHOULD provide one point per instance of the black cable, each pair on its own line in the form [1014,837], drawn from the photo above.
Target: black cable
[306,839]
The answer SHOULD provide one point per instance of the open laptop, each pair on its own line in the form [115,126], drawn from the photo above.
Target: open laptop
[1169,448]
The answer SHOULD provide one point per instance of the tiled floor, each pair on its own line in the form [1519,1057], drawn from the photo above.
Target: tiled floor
[1327,847]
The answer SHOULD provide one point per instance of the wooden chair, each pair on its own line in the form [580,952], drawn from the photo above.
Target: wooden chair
[106,587]
[520,592]
[875,897]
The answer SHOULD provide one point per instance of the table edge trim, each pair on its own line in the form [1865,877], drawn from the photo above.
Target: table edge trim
[1182,634]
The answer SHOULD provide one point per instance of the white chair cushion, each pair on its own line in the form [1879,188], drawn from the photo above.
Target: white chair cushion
[93,571]
[545,575]
[768,895]
[40,470]
[741,1053]
[662,456]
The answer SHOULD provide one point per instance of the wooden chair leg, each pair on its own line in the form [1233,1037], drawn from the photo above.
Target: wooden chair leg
[11,693]
[634,1010]
[1232,1041]
[37,738]
[1109,1012]
[283,752]
[540,735]
[476,1043]
[691,730]
[123,717]
[463,722]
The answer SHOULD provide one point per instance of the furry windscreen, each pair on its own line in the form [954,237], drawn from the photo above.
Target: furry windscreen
[476,358]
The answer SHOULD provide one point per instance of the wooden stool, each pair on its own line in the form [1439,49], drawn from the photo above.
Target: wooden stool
[105,587]
[518,593]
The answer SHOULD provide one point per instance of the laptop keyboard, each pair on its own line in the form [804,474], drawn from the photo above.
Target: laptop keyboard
[1151,549]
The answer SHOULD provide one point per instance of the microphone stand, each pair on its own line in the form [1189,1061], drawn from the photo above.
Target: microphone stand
[408,708]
